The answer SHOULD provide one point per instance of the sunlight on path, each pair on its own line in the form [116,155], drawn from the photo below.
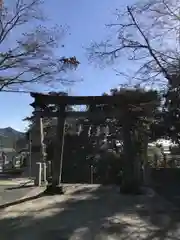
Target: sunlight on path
[87,212]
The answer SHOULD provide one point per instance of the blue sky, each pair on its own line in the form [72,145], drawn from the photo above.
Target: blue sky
[86,20]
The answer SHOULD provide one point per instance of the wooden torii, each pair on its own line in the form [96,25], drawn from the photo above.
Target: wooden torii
[41,109]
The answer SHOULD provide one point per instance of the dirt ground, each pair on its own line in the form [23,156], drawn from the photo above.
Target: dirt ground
[91,212]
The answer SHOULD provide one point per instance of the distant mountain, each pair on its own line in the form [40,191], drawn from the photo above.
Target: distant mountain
[9,137]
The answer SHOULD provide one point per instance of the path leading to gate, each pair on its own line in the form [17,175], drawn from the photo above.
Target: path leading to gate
[91,212]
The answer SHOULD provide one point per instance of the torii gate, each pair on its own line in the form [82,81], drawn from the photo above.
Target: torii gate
[40,105]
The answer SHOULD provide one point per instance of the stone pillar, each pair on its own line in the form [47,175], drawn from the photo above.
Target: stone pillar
[146,167]
[48,170]
[37,146]
[129,181]
[57,162]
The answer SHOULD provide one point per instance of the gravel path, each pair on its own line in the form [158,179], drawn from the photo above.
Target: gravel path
[90,212]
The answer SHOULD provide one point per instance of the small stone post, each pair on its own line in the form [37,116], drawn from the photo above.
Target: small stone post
[44,175]
[37,147]
[38,178]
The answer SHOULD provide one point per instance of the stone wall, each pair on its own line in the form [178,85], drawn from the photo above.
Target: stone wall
[165,177]
[166,182]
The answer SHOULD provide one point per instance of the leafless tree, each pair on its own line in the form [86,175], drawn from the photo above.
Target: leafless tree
[27,47]
[147,36]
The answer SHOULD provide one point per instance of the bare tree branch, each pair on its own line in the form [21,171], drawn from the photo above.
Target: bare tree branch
[31,58]
[146,33]
[147,43]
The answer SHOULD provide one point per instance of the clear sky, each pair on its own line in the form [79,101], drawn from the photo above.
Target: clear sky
[86,20]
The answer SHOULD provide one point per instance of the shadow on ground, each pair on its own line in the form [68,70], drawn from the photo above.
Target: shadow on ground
[90,213]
